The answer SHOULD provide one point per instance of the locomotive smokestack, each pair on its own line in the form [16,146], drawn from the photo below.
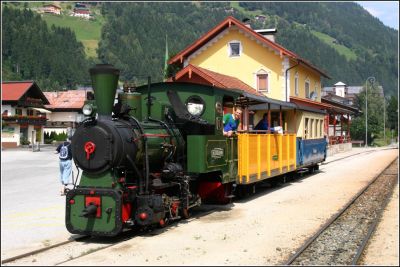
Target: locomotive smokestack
[104,82]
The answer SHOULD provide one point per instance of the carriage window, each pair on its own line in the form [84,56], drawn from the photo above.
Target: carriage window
[316,134]
[311,128]
[195,105]
[305,128]
[321,128]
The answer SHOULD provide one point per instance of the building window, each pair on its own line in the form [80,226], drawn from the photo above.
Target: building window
[235,49]
[18,111]
[262,82]
[296,84]
[307,88]
[29,112]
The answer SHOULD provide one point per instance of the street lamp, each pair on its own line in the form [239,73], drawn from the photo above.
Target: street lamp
[371,81]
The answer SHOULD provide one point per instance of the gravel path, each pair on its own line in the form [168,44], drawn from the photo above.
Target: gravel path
[339,243]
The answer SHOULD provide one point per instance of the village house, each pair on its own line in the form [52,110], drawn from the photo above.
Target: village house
[82,13]
[66,108]
[23,113]
[349,93]
[52,9]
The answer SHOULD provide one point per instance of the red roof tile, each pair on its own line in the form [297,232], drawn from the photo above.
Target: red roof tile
[215,79]
[308,102]
[228,22]
[72,99]
[13,91]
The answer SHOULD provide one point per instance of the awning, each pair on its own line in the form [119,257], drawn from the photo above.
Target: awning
[42,110]
[261,103]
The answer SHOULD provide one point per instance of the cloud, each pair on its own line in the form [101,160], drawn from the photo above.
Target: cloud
[374,12]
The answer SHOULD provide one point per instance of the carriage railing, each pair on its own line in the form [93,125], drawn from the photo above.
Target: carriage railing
[264,155]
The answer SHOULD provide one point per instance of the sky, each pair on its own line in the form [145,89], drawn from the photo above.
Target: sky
[385,11]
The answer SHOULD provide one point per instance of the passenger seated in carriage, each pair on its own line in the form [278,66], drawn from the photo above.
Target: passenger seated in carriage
[263,123]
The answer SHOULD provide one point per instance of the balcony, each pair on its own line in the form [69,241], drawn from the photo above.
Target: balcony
[24,119]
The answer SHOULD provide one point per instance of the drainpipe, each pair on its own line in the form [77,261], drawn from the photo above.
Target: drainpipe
[298,63]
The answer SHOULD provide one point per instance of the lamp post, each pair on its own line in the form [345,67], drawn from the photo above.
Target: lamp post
[371,81]
[384,118]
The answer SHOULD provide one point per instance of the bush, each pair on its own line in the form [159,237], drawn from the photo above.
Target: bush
[48,141]
[24,141]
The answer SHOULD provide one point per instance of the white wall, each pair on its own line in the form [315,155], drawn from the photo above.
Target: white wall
[62,116]
[11,136]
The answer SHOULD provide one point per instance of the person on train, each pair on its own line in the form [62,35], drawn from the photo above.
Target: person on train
[231,122]
[263,123]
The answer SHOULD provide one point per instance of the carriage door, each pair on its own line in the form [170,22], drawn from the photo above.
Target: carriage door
[232,157]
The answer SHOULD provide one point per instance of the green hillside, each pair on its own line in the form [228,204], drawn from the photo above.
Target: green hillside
[341,49]
[339,37]
[87,31]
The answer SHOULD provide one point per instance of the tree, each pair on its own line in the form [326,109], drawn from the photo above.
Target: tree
[375,114]
[393,114]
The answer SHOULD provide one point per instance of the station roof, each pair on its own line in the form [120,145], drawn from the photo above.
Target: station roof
[196,74]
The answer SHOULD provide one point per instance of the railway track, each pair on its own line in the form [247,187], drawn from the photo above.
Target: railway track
[67,250]
[93,244]
[342,240]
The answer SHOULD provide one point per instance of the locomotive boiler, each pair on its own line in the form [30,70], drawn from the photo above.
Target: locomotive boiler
[132,169]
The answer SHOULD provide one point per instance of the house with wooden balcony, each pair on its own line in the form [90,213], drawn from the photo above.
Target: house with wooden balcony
[23,113]
[66,108]
[52,9]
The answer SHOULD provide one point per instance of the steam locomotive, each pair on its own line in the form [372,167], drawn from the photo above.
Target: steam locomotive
[160,151]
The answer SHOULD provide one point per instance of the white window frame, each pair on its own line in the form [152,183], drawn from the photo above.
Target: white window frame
[230,50]
[316,90]
[263,72]
[296,84]
[307,94]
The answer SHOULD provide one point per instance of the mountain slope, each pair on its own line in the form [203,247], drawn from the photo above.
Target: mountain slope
[339,37]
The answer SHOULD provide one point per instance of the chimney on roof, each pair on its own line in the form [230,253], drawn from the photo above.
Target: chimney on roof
[268,33]
[246,22]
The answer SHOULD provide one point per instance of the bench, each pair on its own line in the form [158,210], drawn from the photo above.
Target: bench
[359,142]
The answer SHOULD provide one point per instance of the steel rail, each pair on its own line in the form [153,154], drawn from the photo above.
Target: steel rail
[334,218]
[37,251]
[373,226]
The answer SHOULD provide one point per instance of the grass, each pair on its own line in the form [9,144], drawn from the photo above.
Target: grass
[90,47]
[87,31]
[244,11]
[84,29]
[341,49]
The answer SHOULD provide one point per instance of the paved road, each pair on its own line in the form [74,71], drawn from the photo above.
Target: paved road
[32,210]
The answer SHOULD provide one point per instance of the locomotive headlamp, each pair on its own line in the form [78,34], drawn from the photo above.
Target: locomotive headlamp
[87,109]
